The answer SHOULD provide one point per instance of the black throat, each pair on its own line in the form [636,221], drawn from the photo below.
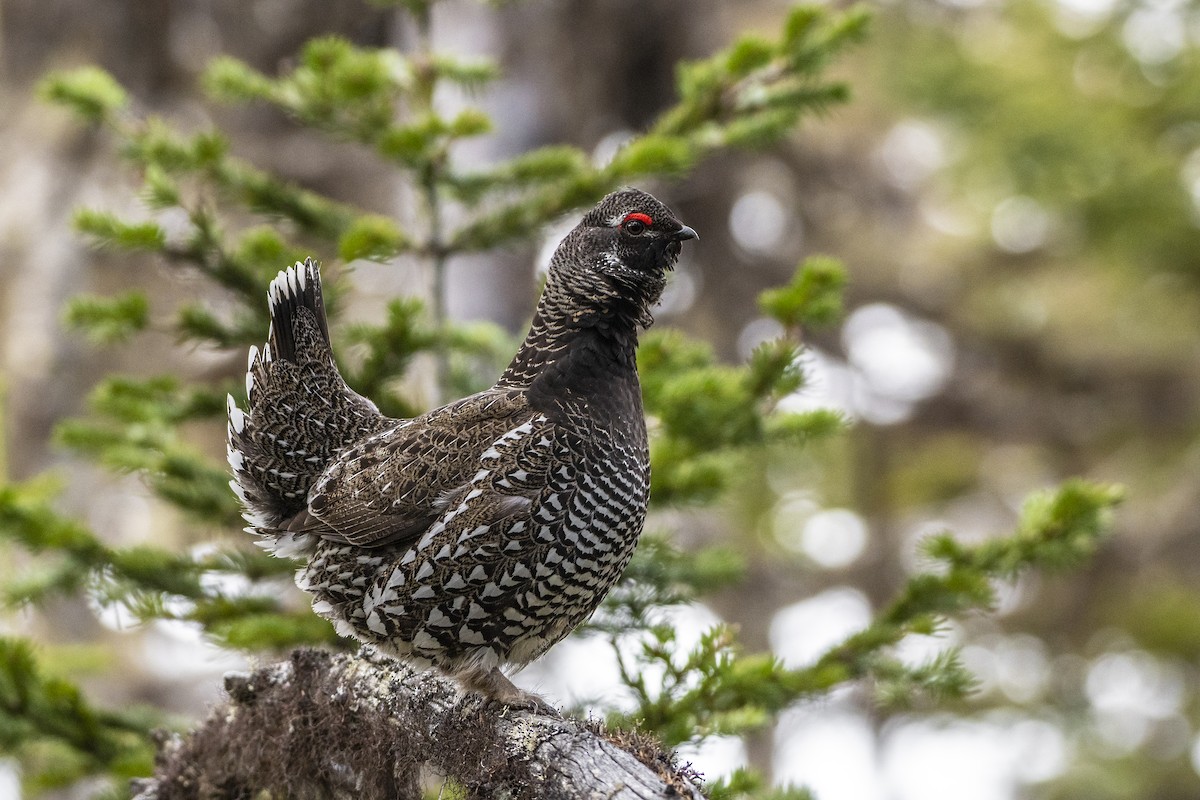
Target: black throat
[578,351]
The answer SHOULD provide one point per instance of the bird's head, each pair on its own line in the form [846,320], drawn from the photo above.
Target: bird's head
[620,252]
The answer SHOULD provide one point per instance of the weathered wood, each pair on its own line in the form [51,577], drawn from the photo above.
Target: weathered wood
[342,726]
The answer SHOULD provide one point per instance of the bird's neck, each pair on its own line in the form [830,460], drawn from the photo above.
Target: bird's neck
[576,342]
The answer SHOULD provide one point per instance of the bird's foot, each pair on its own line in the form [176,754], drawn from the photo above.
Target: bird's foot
[495,687]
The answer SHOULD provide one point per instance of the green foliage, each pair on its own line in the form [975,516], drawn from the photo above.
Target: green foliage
[89,91]
[151,582]
[354,93]
[813,298]
[59,737]
[336,85]
[27,517]
[715,688]
[139,433]
[262,249]
[750,95]
[109,320]
[652,154]
[109,230]
[1042,125]
[1058,530]
[711,416]
[661,575]
[753,92]
[747,783]
[371,237]
[546,165]
[390,348]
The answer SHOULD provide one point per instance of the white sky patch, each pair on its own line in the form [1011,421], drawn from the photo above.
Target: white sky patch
[830,384]
[792,511]
[834,538]
[1120,733]
[683,287]
[1042,750]
[1155,33]
[911,152]
[115,616]
[1135,682]
[610,145]
[176,225]
[176,649]
[756,332]
[1189,174]
[690,623]
[833,384]
[980,661]
[834,754]
[801,632]
[982,760]
[760,222]
[1130,690]
[1020,224]
[1011,595]
[917,649]
[578,669]
[1091,8]
[231,583]
[1022,667]
[10,781]
[585,670]
[1082,18]
[903,360]
[551,238]
[716,757]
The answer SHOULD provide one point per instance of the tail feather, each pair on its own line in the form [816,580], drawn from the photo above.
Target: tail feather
[295,288]
[299,412]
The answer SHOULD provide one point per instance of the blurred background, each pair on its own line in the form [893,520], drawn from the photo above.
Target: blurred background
[1015,190]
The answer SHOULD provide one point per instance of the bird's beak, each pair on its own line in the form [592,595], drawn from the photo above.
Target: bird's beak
[685,233]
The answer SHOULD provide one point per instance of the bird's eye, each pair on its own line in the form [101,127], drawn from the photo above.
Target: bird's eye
[635,224]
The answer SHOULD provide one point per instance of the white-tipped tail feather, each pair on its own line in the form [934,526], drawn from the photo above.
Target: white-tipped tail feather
[298,413]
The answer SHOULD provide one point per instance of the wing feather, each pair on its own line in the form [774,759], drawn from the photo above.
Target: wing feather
[392,486]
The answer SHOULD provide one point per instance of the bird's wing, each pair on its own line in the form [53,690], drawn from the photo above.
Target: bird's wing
[393,485]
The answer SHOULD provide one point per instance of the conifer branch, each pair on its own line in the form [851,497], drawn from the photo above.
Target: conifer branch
[718,689]
[60,736]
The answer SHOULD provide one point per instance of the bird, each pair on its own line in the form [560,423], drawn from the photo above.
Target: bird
[472,538]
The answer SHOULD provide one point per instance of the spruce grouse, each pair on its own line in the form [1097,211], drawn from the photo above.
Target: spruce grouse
[480,533]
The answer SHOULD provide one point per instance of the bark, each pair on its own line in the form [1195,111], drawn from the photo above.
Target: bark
[361,726]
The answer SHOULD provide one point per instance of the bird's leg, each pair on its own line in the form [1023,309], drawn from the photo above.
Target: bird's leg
[495,686]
